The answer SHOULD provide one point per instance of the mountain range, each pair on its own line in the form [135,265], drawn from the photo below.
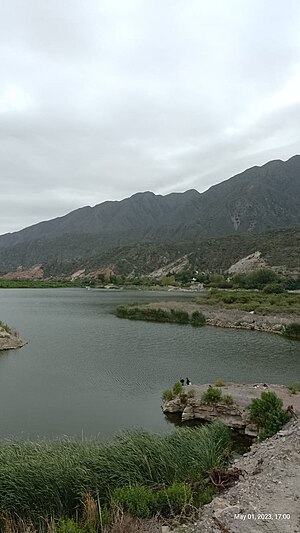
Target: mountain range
[258,200]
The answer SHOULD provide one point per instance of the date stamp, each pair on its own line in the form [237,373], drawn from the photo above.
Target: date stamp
[262,516]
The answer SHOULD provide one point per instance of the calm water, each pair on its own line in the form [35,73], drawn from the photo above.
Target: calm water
[86,372]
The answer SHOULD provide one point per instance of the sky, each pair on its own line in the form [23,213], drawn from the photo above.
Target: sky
[100,99]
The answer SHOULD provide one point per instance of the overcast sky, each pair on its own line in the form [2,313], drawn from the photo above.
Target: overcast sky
[100,99]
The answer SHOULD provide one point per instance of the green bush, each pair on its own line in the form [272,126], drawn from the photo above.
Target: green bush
[227,399]
[138,501]
[292,331]
[294,388]
[178,316]
[211,395]
[228,299]
[173,499]
[198,319]
[5,327]
[219,383]
[67,525]
[167,395]
[203,495]
[268,414]
[177,388]
[273,288]
[255,280]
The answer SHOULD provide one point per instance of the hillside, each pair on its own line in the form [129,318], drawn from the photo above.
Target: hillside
[279,249]
[258,200]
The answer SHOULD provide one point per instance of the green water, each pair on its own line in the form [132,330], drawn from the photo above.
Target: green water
[85,372]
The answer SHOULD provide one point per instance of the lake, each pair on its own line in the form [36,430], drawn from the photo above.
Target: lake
[87,373]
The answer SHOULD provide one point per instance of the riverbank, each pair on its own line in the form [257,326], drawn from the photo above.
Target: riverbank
[232,408]
[215,315]
[9,339]
[266,495]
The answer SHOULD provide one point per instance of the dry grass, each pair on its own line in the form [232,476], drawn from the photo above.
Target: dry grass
[127,524]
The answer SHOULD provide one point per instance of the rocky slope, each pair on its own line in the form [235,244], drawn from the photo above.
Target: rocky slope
[266,498]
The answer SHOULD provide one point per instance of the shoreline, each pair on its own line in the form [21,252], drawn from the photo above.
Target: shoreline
[223,317]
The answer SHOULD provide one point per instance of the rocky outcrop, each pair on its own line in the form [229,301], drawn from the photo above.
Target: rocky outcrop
[9,339]
[248,264]
[236,415]
[176,266]
[34,272]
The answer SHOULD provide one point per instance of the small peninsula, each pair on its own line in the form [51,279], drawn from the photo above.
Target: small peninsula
[9,339]
[252,310]
[230,405]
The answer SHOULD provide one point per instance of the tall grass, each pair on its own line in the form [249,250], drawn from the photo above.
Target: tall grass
[175,316]
[49,479]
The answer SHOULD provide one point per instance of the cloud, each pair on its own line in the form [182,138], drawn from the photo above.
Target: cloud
[99,100]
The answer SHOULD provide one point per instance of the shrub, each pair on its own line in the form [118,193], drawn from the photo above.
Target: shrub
[67,525]
[268,414]
[191,393]
[180,317]
[138,501]
[177,388]
[219,383]
[273,288]
[167,395]
[211,395]
[174,498]
[203,495]
[198,319]
[228,299]
[255,280]
[5,327]
[227,399]
[292,331]
[294,388]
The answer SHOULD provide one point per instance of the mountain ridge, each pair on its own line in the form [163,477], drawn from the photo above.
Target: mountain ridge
[257,200]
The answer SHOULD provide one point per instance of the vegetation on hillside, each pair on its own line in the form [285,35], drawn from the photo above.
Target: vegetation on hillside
[279,248]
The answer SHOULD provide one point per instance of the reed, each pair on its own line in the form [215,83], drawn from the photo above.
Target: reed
[49,479]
